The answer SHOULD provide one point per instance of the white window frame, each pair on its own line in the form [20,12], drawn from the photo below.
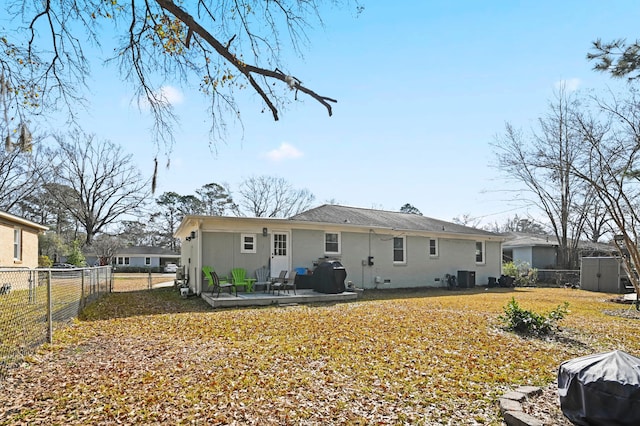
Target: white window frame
[436,244]
[123,260]
[243,247]
[17,244]
[404,251]
[147,261]
[339,243]
[483,252]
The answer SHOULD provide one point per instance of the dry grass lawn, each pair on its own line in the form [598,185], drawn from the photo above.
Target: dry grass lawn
[419,357]
[140,281]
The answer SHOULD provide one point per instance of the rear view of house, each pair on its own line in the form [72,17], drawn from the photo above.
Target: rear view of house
[18,241]
[378,249]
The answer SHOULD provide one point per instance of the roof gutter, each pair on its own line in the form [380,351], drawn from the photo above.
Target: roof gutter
[21,221]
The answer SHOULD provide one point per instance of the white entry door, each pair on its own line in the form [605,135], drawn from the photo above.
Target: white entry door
[280,257]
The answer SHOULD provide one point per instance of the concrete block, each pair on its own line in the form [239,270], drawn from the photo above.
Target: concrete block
[518,418]
[516,396]
[530,391]
[509,405]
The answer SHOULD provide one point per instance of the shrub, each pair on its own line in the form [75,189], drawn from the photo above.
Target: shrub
[75,256]
[510,269]
[44,261]
[528,322]
[522,272]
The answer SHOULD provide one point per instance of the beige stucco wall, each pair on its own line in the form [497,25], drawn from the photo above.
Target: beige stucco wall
[29,247]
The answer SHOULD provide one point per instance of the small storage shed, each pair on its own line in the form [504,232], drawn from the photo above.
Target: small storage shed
[604,274]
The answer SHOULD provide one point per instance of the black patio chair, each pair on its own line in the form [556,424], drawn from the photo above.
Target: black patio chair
[218,285]
[279,282]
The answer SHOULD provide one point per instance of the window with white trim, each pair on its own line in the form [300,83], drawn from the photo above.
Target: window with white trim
[479,252]
[147,261]
[332,242]
[122,260]
[433,247]
[247,243]
[17,244]
[399,245]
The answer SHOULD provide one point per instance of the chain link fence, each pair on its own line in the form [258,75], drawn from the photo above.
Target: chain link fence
[35,302]
[559,277]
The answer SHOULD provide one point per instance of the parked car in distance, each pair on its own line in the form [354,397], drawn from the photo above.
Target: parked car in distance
[171,268]
[62,266]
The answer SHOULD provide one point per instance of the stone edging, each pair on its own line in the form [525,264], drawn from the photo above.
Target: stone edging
[511,408]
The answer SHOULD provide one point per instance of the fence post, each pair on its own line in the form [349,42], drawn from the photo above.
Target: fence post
[82,300]
[149,280]
[32,291]
[49,309]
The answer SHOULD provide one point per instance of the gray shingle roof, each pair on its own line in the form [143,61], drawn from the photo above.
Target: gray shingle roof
[520,239]
[331,213]
[146,250]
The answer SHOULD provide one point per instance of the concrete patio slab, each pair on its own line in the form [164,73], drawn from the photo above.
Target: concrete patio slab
[226,300]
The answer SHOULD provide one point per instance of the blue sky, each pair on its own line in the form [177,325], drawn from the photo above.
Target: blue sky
[423,88]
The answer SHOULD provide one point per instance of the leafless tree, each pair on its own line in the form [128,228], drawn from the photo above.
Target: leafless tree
[20,176]
[595,227]
[105,184]
[270,196]
[610,132]
[466,219]
[518,224]
[218,46]
[542,161]
[105,247]
[40,207]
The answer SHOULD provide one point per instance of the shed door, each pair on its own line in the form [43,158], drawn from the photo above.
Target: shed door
[609,278]
[280,257]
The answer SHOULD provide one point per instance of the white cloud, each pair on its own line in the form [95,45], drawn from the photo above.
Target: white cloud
[167,94]
[284,152]
[570,85]
[171,95]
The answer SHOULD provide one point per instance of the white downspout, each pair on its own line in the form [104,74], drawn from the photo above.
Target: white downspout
[198,266]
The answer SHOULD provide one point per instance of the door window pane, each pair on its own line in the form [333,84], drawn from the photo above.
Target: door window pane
[280,244]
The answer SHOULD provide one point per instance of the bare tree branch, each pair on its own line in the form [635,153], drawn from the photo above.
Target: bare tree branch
[246,69]
[206,44]
[105,184]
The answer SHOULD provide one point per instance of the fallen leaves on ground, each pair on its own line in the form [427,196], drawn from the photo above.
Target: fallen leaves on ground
[429,357]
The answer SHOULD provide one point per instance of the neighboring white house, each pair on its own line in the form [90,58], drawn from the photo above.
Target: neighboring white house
[379,249]
[541,251]
[139,257]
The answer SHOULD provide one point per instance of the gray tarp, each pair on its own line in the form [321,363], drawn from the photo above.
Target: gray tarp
[601,389]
